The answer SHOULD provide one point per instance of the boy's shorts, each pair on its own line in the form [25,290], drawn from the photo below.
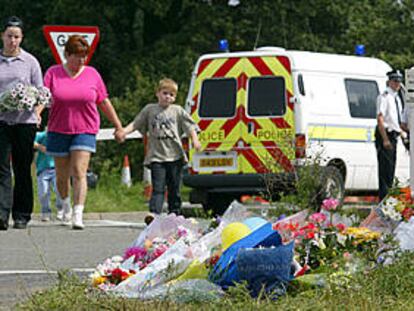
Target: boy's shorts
[60,145]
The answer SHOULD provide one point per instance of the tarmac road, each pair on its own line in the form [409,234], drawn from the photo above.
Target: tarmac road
[29,259]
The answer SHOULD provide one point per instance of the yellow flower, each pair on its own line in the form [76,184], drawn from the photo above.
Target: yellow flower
[400,207]
[362,234]
[98,280]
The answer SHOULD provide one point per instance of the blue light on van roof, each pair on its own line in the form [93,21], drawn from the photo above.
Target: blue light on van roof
[224,45]
[360,49]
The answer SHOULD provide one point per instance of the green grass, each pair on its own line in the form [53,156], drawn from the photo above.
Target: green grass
[384,288]
[111,195]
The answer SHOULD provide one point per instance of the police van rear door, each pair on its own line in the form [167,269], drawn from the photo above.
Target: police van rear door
[214,107]
[268,123]
[242,104]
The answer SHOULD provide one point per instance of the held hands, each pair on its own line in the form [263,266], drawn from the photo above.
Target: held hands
[120,135]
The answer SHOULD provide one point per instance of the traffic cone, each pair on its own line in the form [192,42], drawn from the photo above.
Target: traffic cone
[146,178]
[126,173]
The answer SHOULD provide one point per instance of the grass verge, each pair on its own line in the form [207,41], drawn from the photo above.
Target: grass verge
[384,288]
[111,195]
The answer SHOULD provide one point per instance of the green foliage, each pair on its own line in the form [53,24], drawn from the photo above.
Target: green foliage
[303,190]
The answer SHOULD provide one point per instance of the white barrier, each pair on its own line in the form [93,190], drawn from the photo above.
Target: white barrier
[108,134]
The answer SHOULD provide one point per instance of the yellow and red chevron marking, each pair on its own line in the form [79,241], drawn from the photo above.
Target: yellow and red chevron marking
[235,129]
[259,161]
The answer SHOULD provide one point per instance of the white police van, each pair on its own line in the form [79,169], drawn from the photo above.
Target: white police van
[328,100]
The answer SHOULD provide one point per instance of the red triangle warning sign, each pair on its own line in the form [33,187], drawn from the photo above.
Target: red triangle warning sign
[56,37]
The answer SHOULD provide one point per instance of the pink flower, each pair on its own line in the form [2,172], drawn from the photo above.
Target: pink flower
[341,227]
[182,231]
[300,232]
[318,218]
[138,252]
[330,204]
[161,249]
[347,256]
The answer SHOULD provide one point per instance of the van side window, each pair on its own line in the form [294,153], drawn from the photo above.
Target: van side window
[301,85]
[218,98]
[267,96]
[362,98]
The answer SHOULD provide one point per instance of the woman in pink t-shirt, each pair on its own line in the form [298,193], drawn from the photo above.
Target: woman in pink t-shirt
[77,92]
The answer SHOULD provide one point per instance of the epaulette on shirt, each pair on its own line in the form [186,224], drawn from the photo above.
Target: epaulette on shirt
[385,93]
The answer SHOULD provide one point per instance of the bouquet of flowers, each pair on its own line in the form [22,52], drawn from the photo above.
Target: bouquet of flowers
[117,269]
[23,98]
[396,207]
[111,272]
[153,249]
[319,242]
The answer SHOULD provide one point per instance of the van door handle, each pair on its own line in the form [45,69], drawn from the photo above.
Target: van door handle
[250,127]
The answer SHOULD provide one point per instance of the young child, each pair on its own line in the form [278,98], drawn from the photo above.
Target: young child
[164,122]
[46,178]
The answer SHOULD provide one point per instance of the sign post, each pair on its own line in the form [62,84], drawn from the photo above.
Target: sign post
[56,37]
[409,84]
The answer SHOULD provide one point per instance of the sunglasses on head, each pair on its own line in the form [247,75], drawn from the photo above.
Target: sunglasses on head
[12,22]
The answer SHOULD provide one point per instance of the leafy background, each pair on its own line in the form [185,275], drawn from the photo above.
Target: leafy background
[143,40]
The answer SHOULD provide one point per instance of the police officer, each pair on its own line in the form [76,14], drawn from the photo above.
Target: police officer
[389,118]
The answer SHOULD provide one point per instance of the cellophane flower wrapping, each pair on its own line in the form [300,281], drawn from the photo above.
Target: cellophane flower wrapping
[23,97]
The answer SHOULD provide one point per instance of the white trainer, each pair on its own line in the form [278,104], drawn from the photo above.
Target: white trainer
[77,223]
[67,212]
[59,214]
[45,217]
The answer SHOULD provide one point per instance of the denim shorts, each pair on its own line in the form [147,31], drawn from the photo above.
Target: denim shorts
[60,145]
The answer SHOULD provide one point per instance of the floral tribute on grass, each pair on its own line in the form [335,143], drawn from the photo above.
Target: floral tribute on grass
[307,248]
[117,269]
[24,98]
[321,244]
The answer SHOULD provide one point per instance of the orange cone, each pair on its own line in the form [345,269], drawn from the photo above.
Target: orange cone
[146,178]
[126,172]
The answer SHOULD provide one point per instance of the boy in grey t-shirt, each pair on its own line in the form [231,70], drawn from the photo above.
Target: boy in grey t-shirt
[164,123]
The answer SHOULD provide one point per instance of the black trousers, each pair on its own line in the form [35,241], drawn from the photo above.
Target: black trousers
[166,174]
[16,144]
[387,159]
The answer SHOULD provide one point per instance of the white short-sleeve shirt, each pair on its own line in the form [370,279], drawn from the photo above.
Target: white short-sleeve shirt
[386,105]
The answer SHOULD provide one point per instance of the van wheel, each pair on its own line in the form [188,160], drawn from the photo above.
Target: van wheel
[332,185]
[217,204]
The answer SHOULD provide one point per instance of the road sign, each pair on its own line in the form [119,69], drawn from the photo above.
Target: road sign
[56,37]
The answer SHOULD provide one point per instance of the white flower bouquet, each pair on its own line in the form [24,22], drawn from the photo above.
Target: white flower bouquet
[389,211]
[23,98]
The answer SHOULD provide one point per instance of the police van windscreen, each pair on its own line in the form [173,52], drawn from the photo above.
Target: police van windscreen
[218,98]
[267,96]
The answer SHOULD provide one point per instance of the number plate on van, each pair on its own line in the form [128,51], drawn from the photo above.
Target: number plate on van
[214,161]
